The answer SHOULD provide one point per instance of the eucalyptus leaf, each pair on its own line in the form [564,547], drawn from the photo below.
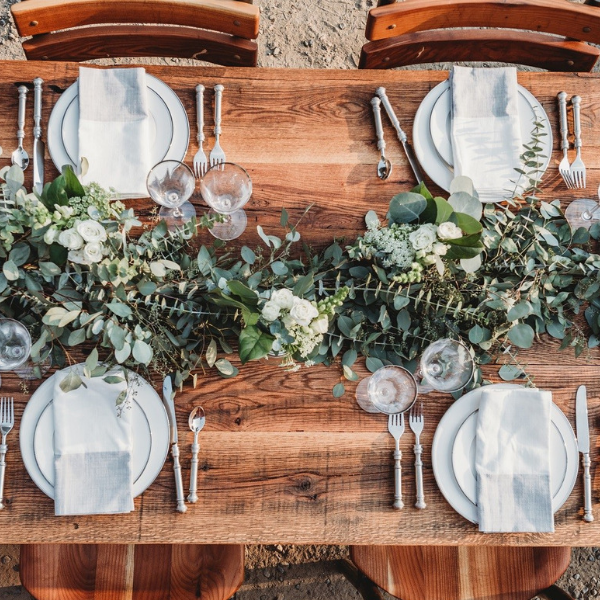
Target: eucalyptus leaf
[338,390]
[521,335]
[406,207]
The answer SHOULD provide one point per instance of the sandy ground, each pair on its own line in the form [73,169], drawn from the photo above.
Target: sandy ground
[311,34]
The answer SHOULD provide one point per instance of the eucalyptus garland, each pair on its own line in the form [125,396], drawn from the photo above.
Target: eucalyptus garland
[495,277]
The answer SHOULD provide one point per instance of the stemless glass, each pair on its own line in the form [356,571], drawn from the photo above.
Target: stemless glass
[226,188]
[445,366]
[170,183]
[15,345]
[389,390]
[583,212]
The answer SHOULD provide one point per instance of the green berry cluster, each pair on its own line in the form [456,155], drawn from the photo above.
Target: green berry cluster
[328,305]
[415,275]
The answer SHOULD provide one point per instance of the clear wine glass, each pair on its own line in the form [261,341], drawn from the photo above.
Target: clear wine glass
[15,345]
[583,212]
[445,366]
[226,188]
[171,183]
[389,390]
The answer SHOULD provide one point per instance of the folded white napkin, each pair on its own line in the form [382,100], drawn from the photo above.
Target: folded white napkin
[114,129]
[512,461]
[486,133]
[92,449]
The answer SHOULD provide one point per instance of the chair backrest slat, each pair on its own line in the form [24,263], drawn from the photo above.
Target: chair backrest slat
[34,17]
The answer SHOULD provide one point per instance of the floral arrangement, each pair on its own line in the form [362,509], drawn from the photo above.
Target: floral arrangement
[492,276]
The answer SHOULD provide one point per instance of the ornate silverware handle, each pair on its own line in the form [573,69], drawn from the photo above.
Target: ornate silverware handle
[193,497]
[380,91]
[3,449]
[587,487]
[37,107]
[420,503]
[218,96]
[576,100]
[398,504]
[181,507]
[376,104]
[21,115]
[562,111]
[200,112]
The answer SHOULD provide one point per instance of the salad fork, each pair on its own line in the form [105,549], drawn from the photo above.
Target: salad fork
[7,421]
[217,156]
[200,162]
[396,429]
[415,421]
[577,166]
[564,168]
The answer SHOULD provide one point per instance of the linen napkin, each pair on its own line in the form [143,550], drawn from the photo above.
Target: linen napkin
[92,449]
[512,461]
[114,129]
[486,133]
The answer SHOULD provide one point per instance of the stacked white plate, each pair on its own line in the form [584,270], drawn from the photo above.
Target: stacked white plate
[453,455]
[150,430]
[432,126]
[169,125]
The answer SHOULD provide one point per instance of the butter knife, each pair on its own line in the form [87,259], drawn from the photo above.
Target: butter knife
[170,405]
[583,442]
[412,159]
[38,146]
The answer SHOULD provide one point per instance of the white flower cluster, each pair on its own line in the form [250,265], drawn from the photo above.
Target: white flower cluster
[403,246]
[304,324]
[84,241]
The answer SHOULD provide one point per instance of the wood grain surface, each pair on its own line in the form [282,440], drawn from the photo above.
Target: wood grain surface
[467,573]
[281,460]
[128,572]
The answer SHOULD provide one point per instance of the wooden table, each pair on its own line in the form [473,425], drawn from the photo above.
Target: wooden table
[281,459]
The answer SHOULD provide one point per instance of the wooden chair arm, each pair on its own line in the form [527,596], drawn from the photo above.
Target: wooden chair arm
[365,587]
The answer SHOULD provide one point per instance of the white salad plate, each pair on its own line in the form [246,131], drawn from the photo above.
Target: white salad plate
[169,125]
[453,455]
[149,424]
[432,126]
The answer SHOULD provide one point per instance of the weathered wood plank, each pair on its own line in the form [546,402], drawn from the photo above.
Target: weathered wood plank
[281,459]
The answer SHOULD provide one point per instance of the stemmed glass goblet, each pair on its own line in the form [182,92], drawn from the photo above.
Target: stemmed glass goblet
[226,188]
[583,212]
[171,183]
[15,345]
[389,390]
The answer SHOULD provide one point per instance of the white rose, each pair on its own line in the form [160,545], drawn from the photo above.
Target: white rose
[320,325]
[70,239]
[283,298]
[423,238]
[91,231]
[440,249]
[76,256]
[449,231]
[51,235]
[270,311]
[92,252]
[303,312]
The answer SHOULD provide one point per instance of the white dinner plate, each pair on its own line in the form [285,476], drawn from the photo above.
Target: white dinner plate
[431,131]
[150,430]
[169,125]
[442,452]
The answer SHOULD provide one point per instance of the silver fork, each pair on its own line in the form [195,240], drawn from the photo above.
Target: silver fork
[396,429]
[200,162]
[415,421]
[7,420]
[564,168]
[577,167]
[217,156]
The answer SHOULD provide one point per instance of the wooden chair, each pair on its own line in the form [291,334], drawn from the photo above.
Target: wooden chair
[217,31]
[131,572]
[416,32]
[461,573]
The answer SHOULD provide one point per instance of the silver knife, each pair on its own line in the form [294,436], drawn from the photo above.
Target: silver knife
[170,405]
[412,159]
[38,146]
[583,441]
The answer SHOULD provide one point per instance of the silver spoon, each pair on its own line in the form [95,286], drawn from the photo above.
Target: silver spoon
[384,166]
[19,156]
[196,422]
